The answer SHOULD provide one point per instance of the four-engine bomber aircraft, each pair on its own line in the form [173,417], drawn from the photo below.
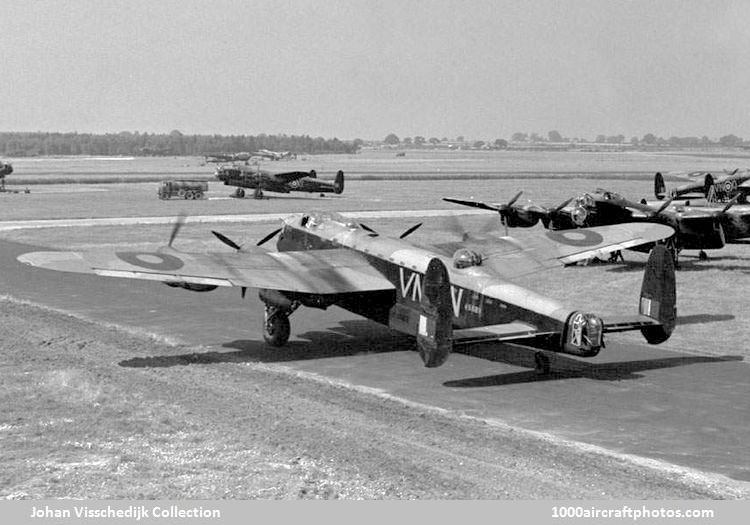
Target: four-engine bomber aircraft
[450,294]
[260,180]
[717,188]
[696,228]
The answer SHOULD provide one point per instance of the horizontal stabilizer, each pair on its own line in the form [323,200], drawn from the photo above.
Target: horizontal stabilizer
[496,332]
[625,324]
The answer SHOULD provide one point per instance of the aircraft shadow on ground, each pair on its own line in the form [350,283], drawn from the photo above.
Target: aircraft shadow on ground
[348,339]
[569,368]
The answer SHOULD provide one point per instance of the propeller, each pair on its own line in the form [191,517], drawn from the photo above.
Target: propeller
[410,231]
[268,237]
[663,207]
[178,223]
[226,240]
[731,203]
[365,227]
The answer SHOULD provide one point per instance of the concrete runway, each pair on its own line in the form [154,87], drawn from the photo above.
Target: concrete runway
[688,410]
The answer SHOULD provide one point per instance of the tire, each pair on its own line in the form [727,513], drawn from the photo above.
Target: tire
[276,330]
[239,193]
[189,195]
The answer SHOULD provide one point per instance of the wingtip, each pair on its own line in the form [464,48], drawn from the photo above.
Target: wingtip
[60,261]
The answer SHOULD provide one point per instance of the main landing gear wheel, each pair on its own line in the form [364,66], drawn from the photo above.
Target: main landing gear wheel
[276,329]
[703,256]
[541,363]
[239,193]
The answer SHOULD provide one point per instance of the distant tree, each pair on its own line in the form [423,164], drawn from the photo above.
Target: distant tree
[600,139]
[479,144]
[434,141]
[730,140]
[419,141]
[444,139]
[634,141]
[501,143]
[554,136]
[649,138]
[519,137]
[406,141]
[391,139]
[535,137]
[460,138]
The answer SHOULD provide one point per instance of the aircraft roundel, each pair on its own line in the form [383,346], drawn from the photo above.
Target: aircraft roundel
[153,261]
[730,185]
[576,237]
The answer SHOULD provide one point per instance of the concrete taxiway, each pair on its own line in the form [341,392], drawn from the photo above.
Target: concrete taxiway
[687,410]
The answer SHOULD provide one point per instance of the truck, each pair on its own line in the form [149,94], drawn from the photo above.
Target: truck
[183,189]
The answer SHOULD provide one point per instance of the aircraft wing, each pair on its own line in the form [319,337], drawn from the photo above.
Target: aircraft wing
[290,176]
[509,257]
[313,271]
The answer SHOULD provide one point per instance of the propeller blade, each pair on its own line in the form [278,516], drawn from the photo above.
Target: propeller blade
[365,227]
[226,240]
[243,291]
[731,203]
[561,206]
[410,231]
[663,206]
[176,228]
[268,237]
[514,199]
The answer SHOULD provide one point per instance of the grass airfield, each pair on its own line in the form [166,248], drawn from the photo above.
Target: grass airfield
[100,431]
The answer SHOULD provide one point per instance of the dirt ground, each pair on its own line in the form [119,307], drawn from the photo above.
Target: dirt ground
[81,419]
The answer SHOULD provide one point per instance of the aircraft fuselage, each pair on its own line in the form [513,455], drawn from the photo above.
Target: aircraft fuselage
[477,298]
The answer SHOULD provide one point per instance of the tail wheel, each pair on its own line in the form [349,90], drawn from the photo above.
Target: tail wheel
[276,329]
[258,194]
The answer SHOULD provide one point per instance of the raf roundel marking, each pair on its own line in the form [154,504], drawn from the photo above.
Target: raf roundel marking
[576,237]
[151,260]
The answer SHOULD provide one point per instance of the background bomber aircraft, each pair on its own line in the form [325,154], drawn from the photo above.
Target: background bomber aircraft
[455,293]
[702,184]
[696,228]
[261,180]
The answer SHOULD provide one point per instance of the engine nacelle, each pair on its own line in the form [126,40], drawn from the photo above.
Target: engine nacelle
[583,335]
[275,298]
[193,287]
[518,218]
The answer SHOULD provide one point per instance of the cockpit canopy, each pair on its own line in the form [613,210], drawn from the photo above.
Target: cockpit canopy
[316,218]
[465,258]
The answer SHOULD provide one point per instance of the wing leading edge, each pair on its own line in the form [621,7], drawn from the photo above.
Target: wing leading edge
[313,271]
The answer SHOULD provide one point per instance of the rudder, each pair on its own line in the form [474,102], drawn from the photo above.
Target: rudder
[435,326]
[658,295]
[338,183]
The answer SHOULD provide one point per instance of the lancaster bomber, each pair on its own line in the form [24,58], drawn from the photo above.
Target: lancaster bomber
[448,294]
[261,180]
[702,184]
[701,228]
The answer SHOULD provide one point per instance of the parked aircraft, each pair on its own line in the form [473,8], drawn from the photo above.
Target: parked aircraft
[228,157]
[717,188]
[5,169]
[455,293]
[273,155]
[696,228]
[262,180]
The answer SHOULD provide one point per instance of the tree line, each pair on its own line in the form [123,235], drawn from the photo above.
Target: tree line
[27,144]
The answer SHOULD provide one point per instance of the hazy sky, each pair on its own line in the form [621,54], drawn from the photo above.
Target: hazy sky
[347,69]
